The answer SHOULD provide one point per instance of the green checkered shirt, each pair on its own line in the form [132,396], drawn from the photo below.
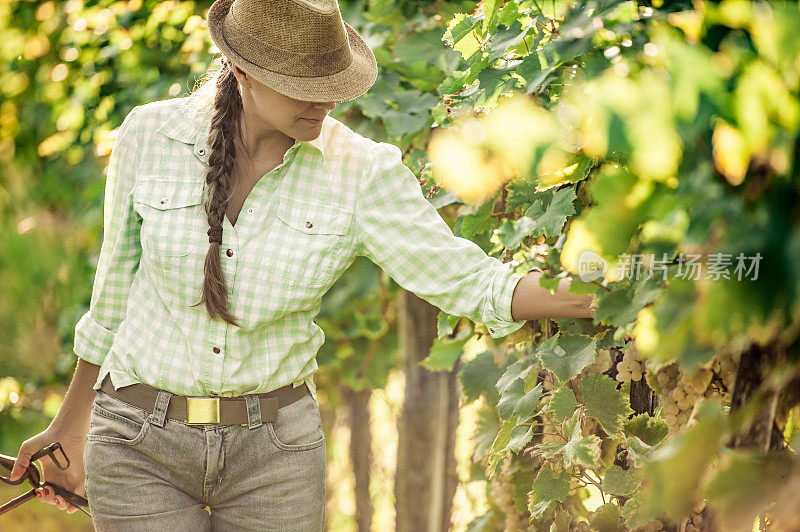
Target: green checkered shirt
[332,199]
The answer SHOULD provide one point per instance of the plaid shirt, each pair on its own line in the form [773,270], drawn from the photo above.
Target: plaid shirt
[303,224]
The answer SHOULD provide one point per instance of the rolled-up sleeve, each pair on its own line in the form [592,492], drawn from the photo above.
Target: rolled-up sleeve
[402,232]
[120,251]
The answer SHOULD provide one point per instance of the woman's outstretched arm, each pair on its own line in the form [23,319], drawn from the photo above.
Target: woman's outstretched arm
[532,302]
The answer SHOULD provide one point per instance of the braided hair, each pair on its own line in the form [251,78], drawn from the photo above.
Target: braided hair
[225,125]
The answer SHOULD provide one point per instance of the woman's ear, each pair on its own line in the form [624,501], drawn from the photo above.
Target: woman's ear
[241,75]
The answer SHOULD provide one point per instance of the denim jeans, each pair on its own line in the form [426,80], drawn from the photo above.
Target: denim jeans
[146,472]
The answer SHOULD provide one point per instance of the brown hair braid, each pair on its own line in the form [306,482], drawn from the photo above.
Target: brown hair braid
[225,125]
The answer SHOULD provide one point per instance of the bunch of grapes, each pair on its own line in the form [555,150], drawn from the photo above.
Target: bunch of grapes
[724,365]
[632,365]
[603,361]
[681,392]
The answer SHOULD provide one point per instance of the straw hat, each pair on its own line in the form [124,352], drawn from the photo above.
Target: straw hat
[300,48]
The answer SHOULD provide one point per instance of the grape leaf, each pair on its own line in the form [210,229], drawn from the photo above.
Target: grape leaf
[567,354]
[521,191]
[445,323]
[577,450]
[517,370]
[548,487]
[546,216]
[498,450]
[443,354]
[650,430]
[605,518]
[562,404]
[638,451]
[478,222]
[480,375]
[505,38]
[622,304]
[515,402]
[519,437]
[604,401]
[620,481]
[550,222]
[636,516]
[459,34]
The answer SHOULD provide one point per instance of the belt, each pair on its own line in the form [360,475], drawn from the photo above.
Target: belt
[207,410]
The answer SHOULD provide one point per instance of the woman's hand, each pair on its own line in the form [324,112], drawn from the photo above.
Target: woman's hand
[71,478]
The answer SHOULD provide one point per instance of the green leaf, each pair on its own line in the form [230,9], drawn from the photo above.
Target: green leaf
[618,481]
[492,82]
[505,38]
[461,26]
[550,221]
[486,428]
[445,323]
[518,370]
[482,523]
[478,222]
[605,518]
[480,375]
[546,216]
[635,516]
[515,402]
[638,451]
[562,404]
[520,191]
[577,450]
[443,354]
[621,306]
[566,355]
[547,488]
[489,10]
[519,437]
[604,401]
[651,430]
[498,450]
[411,115]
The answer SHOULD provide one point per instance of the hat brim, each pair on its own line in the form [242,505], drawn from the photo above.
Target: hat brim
[342,86]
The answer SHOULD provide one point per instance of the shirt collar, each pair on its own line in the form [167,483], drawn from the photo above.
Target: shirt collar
[192,127]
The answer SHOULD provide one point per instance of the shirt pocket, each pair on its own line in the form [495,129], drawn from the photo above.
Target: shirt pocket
[309,241]
[171,214]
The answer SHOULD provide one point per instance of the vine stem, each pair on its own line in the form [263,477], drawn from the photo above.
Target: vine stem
[590,480]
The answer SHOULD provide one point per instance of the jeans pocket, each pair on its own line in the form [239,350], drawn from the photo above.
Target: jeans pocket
[115,421]
[298,426]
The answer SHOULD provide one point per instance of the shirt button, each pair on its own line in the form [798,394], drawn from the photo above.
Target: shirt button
[230,252]
[309,224]
[491,330]
[250,210]
[216,349]
[164,200]
[201,151]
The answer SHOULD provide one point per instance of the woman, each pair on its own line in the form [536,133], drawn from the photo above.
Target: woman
[187,417]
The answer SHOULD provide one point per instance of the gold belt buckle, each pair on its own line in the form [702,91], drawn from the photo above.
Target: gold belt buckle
[202,410]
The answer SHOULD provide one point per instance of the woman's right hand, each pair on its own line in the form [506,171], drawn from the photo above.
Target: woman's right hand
[71,478]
